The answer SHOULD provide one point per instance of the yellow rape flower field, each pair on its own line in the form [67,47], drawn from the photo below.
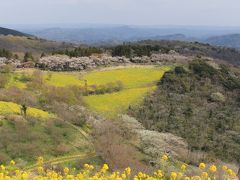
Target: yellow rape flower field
[114,103]
[131,76]
[137,81]
[89,172]
[13,108]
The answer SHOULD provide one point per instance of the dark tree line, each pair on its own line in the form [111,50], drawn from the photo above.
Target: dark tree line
[80,52]
[130,51]
[5,53]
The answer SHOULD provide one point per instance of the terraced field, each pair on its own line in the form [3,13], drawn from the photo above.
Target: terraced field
[136,80]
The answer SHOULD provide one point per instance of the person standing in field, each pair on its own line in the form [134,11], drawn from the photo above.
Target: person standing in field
[24,110]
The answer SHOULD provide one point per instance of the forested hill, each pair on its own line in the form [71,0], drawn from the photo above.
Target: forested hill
[5,31]
[200,103]
[230,40]
[229,55]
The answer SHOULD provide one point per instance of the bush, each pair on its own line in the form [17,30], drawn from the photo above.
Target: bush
[201,68]
[6,69]
[24,77]
[180,70]
[3,80]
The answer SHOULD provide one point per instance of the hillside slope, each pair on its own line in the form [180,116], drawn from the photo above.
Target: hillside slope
[21,44]
[5,31]
[202,105]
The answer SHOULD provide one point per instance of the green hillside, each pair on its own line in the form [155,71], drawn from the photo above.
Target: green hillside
[200,103]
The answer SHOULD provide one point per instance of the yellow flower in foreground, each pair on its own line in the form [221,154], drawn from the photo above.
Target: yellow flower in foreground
[173,175]
[204,175]
[7,178]
[2,168]
[128,170]
[230,172]
[187,178]
[202,166]
[124,176]
[40,170]
[196,178]
[40,161]
[88,167]
[159,173]
[224,168]
[140,174]
[212,168]
[135,178]
[12,163]
[180,175]
[164,157]
[66,170]
[105,168]
[183,167]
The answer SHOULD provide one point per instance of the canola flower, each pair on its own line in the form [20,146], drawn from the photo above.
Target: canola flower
[202,166]
[165,157]
[212,169]
[89,172]
[183,167]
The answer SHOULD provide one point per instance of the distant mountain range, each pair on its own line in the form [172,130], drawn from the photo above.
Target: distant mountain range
[230,40]
[113,35]
[110,36]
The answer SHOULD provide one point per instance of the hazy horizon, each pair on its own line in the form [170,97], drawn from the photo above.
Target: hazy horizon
[210,13]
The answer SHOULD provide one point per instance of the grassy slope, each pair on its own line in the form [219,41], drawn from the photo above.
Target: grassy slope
[51,139]
[20,44]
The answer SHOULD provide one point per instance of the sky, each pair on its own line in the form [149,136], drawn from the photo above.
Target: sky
[129,12]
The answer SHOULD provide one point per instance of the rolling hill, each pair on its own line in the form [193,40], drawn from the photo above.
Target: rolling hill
[19,43]
[231,40]
[5,31]
[200,103]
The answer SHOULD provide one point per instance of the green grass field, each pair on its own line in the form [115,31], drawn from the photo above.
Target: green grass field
[13,108]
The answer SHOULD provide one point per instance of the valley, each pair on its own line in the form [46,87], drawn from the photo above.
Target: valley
[166,108]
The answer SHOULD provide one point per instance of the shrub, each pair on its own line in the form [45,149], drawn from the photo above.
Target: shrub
[24,77]
[6,69]
[180,70]
[3,80]
[201,68]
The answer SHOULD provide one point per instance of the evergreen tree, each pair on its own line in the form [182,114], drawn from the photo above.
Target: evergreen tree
[28,57]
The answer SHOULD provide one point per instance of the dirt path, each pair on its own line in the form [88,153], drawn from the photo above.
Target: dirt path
[63,159]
